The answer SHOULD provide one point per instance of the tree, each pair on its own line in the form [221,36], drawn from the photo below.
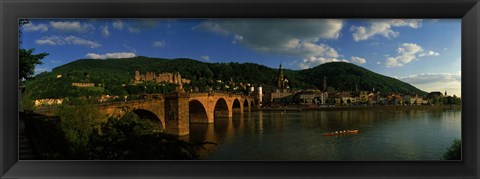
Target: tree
[78,123]
[28,59]
[454,152]
[133,138]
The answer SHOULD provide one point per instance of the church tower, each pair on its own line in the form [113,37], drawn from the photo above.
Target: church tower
[280,79]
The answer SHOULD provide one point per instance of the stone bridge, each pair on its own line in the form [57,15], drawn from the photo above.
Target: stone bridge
[176,111]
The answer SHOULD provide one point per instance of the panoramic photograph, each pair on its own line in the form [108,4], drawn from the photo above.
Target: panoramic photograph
[240,89]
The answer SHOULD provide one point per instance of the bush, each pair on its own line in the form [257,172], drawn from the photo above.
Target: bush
[27,102]
[132,138]
[454,152]
[78,134]
[78,123]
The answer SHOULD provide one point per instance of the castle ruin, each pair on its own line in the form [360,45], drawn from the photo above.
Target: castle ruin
[160,78]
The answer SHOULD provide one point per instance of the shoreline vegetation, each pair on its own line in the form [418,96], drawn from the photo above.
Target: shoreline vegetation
[79,138]
[344,108]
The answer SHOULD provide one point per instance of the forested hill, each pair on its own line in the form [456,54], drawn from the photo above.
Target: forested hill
[115,72]
[123,70]
[349,77]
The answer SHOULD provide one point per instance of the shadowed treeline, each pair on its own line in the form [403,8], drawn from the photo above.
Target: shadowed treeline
[75,134]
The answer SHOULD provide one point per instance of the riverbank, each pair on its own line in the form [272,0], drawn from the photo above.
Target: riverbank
[346,108]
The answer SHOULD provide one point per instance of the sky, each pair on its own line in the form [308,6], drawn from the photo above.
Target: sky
[422,52]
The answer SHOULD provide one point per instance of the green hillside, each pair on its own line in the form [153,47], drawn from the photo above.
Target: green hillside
[349,77]
[112,73]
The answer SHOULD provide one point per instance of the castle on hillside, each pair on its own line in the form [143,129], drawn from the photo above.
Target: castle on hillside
[160,78]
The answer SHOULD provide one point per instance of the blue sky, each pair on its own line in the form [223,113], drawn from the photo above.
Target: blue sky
[422,52]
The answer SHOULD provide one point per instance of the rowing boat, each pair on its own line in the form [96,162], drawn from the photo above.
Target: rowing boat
[344,132]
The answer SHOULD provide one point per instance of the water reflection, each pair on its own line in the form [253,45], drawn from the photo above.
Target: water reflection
[298,135]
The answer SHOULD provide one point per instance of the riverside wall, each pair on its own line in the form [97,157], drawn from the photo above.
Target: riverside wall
[345,108]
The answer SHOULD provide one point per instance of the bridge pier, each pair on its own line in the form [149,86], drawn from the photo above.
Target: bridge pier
[176,115]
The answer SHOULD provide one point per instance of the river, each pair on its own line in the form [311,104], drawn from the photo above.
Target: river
[298,135]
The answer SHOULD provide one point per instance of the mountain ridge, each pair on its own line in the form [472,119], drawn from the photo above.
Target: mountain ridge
[340,76]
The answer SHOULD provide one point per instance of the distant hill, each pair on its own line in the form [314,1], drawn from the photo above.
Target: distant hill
[349,77]
[112,73]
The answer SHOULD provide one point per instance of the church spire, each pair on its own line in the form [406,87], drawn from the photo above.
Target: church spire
[280,78]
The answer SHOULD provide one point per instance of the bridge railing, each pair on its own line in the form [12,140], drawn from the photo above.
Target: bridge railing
[52,108]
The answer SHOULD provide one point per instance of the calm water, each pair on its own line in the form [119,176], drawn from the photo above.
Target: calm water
[298,135]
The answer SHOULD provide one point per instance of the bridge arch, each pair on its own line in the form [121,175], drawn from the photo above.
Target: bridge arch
[246,105]
[151,116]
[221,108]
[237,106]
[197,112]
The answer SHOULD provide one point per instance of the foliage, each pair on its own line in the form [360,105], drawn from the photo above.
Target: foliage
[28,60]
[454,152]
[47,137]
[452,100]
[349,77]
[112,73]
[27,63]
[77,136]
[132,138]
[78,123]
[27,102]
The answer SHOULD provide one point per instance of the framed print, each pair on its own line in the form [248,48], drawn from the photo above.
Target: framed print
[278,88]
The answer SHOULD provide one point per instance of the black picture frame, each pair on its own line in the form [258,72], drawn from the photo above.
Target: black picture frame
[467,10]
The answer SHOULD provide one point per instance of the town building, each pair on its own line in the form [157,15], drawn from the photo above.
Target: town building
[435,95]
[83,84]
[310,97]
[48,102]
[344,98]
[280,94]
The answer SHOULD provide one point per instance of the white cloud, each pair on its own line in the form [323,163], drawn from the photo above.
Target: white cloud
[71,26]
[298,37]
[406,53]
[105,31]
[213,26]
[383,28]
[111,55]
[159,43]
[52,40]
[117,24]
[206,58]
[31,27]
[451,82]
[66,40]
[358,60]
[314,61]
[237,38]
[295,37]
[429,53]
[134,30]
[323,54]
